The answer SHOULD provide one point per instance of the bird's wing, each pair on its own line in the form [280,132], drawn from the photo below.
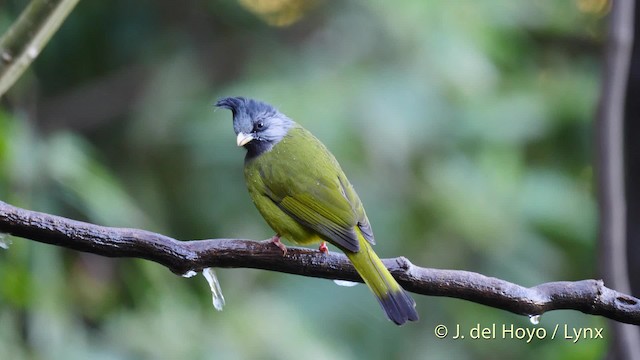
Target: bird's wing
[318,205]
[361,216]
[322,219]
[327,205]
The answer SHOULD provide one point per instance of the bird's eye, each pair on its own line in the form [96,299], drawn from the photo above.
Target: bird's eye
[260,125]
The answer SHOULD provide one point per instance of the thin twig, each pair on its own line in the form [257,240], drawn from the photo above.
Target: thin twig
[28,35]
[588,296]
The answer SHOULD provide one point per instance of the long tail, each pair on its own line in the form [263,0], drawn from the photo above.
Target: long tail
[398,305]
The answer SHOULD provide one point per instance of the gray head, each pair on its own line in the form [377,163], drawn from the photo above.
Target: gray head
[258,126]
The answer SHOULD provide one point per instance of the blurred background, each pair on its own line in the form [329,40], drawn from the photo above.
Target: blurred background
[465,126]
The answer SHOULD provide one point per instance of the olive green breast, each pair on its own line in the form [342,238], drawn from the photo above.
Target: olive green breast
[297,163]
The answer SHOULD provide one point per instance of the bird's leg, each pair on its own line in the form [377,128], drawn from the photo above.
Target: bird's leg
[323,247]
[276,241]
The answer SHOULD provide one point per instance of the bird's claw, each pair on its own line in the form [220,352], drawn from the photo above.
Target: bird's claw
[323,248]
[276,241]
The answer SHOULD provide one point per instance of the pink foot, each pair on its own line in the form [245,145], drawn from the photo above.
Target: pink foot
[276,241]
[323,248]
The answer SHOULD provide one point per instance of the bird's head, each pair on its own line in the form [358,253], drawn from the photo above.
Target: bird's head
[258,126]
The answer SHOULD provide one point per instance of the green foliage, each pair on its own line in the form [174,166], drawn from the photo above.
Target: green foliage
[465,127]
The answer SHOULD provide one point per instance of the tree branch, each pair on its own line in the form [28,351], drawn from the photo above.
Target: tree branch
[587,296]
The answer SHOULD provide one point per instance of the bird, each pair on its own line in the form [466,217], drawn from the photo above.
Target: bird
[303,194]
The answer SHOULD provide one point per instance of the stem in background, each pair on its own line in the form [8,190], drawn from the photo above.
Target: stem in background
[28,35]
[611,170]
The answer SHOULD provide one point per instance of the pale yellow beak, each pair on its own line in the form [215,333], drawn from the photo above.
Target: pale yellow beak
[243,139]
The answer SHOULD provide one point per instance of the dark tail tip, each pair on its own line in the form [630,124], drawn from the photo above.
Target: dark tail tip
[399,307]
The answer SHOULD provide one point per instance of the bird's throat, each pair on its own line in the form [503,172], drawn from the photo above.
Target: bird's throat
[256,148]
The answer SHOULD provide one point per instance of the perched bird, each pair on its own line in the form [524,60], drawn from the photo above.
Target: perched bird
[303,194]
